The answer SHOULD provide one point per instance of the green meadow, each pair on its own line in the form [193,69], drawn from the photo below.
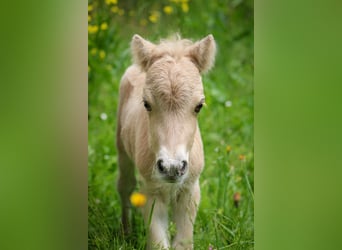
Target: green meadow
[225,218]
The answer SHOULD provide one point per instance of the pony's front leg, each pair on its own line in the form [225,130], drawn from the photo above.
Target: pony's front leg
[158,224]
[184,212]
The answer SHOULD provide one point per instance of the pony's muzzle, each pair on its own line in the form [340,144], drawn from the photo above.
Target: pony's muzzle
[171,171]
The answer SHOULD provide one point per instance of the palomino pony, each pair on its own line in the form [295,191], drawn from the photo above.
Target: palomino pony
[161,95]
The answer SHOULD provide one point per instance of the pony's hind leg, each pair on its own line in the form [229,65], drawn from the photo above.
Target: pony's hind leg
[126,184]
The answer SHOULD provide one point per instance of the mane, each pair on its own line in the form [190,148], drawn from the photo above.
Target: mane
[174,92]
[201,53]
[173,46]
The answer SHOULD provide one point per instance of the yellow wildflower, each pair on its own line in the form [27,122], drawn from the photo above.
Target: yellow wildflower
[89,18]
[104,26]
[114,9]
[228,148]
[92,29]
[90,7]
[242,157]
[168,10]
[154,17]
[185,7]
[102,54]
[138,199]
[93,51]
[108,2]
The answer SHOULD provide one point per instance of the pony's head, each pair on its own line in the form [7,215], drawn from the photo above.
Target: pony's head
[172,97]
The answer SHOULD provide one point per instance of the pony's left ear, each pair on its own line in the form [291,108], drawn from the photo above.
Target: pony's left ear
[141,51]
[203,53]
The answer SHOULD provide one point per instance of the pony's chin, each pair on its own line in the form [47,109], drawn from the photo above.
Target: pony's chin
[178,180]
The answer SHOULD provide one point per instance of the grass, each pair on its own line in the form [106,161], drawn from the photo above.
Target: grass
[226,121]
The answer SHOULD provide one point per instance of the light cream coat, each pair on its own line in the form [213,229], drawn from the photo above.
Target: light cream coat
[160,96]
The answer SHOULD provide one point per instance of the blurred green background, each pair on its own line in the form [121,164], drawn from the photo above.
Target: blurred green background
[226,123]
[297,124]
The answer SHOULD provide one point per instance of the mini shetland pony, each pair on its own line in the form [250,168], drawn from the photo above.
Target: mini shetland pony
[161,95]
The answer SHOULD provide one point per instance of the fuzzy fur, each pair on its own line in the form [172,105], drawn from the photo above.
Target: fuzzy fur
[167,76]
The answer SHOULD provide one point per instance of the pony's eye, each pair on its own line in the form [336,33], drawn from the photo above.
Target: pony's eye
[147,106]
[198,108]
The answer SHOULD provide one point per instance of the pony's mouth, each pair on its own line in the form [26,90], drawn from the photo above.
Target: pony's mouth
[170,179]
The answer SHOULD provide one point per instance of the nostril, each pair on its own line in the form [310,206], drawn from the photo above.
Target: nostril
[184,165]
[160,166]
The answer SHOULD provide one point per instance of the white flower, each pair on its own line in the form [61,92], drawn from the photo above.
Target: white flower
[103,116]
[228,104]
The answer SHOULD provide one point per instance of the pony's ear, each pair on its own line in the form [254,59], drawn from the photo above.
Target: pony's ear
[141,51]
[203,53]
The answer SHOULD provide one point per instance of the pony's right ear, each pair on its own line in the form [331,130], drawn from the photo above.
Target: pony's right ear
[141,51]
